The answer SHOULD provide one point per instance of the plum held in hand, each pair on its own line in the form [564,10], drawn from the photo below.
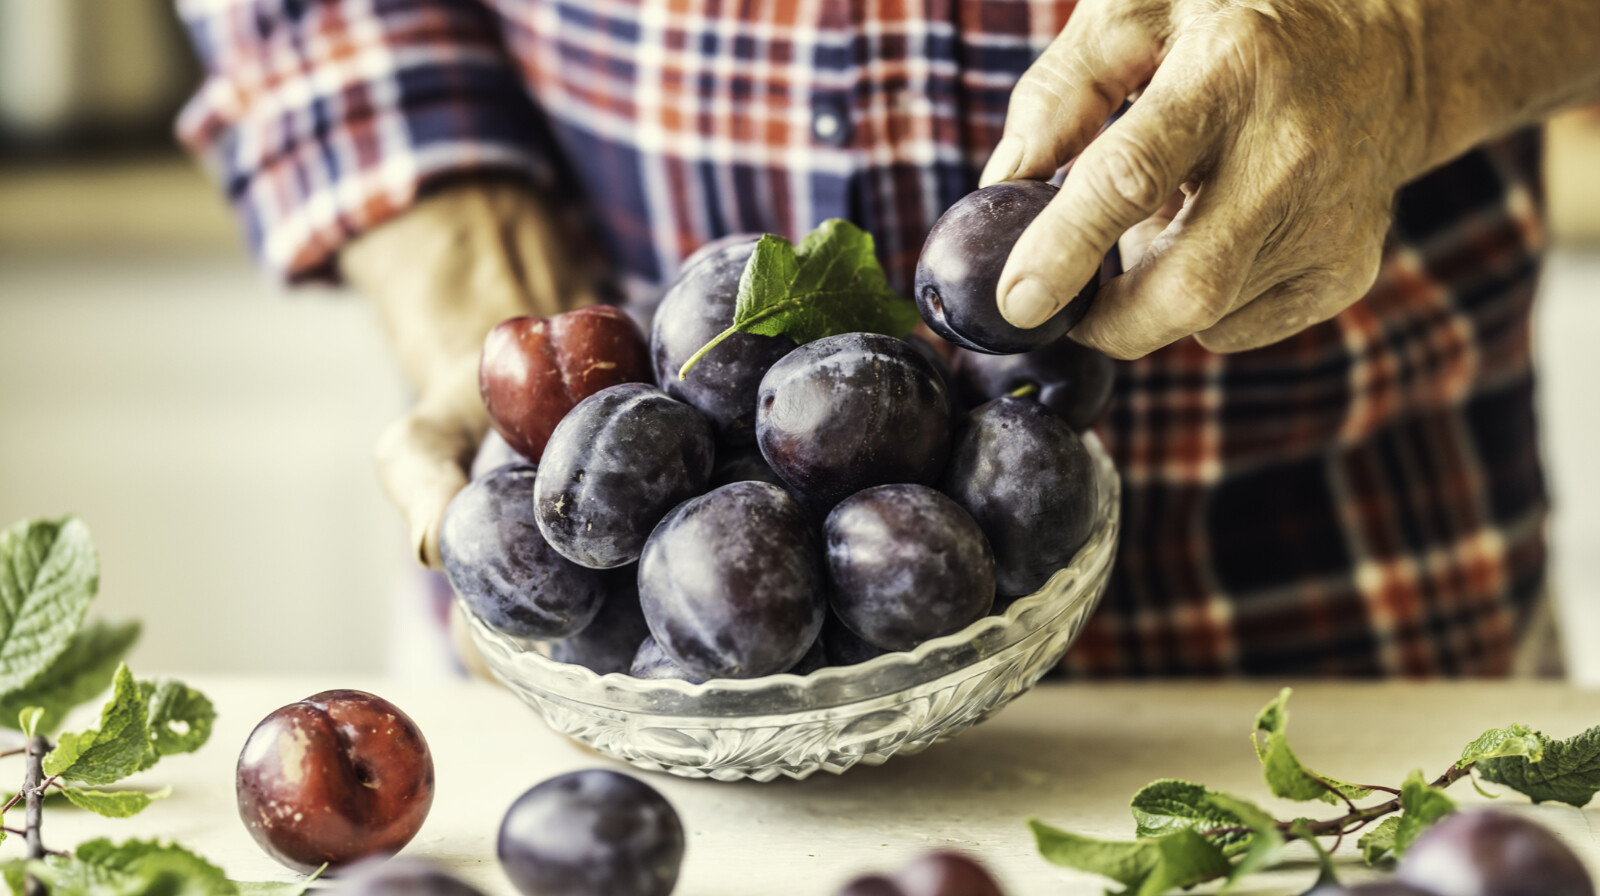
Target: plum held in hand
[1025,476]
[592,833]
[338,777]
[503,569]
[1073,380]
[906,564]
[732,582]
[1490,853]
[609,642]
[614,467]
[401,877]
[958,272]
[849,412]
[534,370]
[722,385]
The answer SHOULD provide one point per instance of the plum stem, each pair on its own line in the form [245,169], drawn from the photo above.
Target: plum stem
[1357,817]
[33,786]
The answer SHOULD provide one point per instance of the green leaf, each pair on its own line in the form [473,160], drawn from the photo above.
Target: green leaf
[1263,849]
[1497,743]
[48,574]
[278,888]
[1127,863]
[1379,842]
[1567,772]
[134,868]
[1286,776]
[119,804]
[113,751]
[1327,875]
[830,284]
[79,673]
[28,720]
[1184,858]
[180,717]
[1422,805]
[1170,805]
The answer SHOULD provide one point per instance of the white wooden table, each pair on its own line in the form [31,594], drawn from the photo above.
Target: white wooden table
[1069,754]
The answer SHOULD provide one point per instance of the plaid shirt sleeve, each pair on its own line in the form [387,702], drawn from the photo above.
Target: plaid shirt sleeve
[323,118]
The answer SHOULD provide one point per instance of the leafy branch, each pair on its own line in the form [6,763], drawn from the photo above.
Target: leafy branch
[1189,834]
[829,284]
[50,663]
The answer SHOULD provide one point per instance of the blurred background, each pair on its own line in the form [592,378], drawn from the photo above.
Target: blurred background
[215,431]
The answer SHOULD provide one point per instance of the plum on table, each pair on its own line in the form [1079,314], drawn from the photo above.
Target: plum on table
[614,467]
[338,777]
[732,582]
[1493,853]
[403,876]
[591,833]
[502,567]
[534,370]
[849,412]
[958,272]
[906,564]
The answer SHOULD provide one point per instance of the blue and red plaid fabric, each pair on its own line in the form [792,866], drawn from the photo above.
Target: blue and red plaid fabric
[1362,499]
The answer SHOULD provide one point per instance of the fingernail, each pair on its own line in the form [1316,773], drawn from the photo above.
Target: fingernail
[1004,161]
[1028,304]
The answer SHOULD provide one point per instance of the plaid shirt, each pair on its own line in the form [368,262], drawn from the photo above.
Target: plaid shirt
[1364,498]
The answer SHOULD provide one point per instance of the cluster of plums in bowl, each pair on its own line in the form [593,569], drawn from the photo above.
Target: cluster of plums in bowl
[779,507]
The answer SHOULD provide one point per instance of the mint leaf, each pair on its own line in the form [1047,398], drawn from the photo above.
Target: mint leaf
[1512,740]
[1263,850]
[1379,842]
[180,717]
[1286,776]
[1568,772]
[80,672]
[48,574]
[1126,863]
[120,804]
[1422,805]
[113,751]
[1165,806]
[830,284]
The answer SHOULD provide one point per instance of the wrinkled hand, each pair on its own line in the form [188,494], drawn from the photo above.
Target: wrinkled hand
[1254,175]
[441,275]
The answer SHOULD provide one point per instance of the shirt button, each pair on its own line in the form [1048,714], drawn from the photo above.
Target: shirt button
[830,122]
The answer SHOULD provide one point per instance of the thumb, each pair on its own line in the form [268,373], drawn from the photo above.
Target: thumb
[423,457]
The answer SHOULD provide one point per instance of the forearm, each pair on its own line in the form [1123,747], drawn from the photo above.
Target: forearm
[1494,65]
[441,274]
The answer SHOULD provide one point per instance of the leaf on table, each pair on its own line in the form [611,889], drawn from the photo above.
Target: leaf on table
[1567,772]
[1498,743]
[278,888]
[49,572]
[1263,849]
[1148,867]
[1421,806]
[180,717]
[113,751]
[1286,776]
[1327,875]
[115,804]
[1379,842]
[831,283]
[133,868]
[1168,805]
[79,673]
